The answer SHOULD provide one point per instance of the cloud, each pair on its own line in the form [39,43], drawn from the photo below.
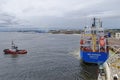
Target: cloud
[105,14]
[59,13]
[25,8]
[6,20]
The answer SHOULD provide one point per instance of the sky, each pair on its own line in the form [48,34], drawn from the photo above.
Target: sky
[58,14]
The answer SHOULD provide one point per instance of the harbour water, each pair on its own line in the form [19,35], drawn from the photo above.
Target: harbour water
[49,57]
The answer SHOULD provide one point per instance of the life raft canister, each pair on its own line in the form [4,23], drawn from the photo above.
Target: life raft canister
[102,42]
[82,41]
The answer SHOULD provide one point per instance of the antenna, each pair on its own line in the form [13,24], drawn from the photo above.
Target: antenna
[12,43]
[93,25]
[101,24]
[94,22]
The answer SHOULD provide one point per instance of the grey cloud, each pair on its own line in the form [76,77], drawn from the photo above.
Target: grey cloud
[59,13]
[7,20]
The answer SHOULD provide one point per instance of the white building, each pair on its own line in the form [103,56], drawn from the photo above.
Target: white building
[117,35]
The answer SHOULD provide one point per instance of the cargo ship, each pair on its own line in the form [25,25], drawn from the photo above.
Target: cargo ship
[94,43]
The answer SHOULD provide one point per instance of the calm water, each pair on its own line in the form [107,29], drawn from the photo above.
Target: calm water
[50,57]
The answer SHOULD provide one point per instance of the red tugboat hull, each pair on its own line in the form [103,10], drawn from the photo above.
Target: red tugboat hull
[8,51]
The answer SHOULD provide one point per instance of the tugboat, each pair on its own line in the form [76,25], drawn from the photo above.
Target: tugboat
[14,50]
[94,44]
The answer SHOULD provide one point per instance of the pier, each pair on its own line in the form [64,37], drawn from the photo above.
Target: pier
[112,65]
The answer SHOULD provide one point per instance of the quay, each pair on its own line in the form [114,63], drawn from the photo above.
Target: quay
[112,65]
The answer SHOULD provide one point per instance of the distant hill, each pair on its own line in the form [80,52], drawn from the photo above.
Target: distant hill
[37,30]
[65,31]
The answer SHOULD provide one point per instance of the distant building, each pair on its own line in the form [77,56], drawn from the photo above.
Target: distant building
[117,35]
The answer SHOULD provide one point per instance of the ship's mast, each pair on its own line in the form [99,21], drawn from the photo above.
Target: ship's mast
[12,45]
[93,25]
[97,24]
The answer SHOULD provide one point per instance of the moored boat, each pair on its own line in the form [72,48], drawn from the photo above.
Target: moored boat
[94,44]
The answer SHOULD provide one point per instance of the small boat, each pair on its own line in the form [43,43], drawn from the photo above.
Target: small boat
[14,50]
[94,44]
